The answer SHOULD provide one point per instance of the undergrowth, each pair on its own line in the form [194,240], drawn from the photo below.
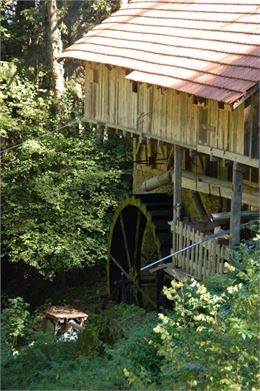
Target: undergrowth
[112,340]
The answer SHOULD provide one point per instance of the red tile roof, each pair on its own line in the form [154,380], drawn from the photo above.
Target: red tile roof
[211,50]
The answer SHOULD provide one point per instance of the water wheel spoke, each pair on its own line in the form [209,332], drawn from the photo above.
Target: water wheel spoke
[125,240]
[119,266]
[137,235]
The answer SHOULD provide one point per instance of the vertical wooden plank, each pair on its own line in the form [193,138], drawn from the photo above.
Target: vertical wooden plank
[184,254]
[173,230]
[222,257]
[98,87]
[247,127]
[112,95]
[178,240]
[181,242]
[256,125]
[192,254]
[236,204]
[203,125]
[176,223]
[207,258]
[213,110]
[186,259]
[200,259]
[210,256]
[214,257]
[184,118]
[174,116]
[192,126]
[87,91]
[175,243]
[169,110]
[239,137]
[196,257]
[217,258]
[223,127]
[121,102]
[188,252]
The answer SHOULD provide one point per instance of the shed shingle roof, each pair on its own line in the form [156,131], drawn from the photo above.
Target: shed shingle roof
[211,50]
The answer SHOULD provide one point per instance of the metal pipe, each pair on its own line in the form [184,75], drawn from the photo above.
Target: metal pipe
[226,215]
[157,181]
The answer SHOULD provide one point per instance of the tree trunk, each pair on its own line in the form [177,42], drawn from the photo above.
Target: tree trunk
[56,49]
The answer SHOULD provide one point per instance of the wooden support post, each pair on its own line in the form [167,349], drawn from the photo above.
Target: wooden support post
[176,180]
[177,184]
[99,134]
[236,204]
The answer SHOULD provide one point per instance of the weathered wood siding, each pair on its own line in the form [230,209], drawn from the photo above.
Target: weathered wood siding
[109,96]
[164,114]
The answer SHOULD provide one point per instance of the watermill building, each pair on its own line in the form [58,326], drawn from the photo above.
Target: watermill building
[182,78]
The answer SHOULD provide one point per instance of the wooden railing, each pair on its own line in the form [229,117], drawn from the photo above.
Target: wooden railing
[199,261]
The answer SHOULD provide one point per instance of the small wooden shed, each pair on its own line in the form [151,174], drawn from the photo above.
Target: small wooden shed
[182,77]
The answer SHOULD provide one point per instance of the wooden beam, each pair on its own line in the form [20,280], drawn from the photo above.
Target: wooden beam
[176,178]
[205,184]
[235,157]
[220,153]
[218,187]
[250,92]
[236,204]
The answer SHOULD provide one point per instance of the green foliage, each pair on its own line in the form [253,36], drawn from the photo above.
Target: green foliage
[59,188]
[210,341]
[50,365]
[24,26]
[15,317]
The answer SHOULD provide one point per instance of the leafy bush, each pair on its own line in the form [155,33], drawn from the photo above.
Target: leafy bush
[120,334]
[15,317]
[59,188]
[210,341]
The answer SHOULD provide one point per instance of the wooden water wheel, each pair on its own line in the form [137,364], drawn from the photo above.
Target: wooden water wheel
[139,234]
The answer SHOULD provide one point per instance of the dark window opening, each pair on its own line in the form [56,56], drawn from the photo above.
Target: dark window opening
[197,100]
[135,86]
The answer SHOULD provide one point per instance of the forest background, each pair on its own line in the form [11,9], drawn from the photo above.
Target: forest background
[60,185]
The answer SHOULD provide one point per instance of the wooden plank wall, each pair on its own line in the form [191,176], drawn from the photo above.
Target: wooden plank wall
[109,96]
[161,113]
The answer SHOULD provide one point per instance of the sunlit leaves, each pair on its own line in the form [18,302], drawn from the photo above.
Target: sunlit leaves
[210,339]
[59,188]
